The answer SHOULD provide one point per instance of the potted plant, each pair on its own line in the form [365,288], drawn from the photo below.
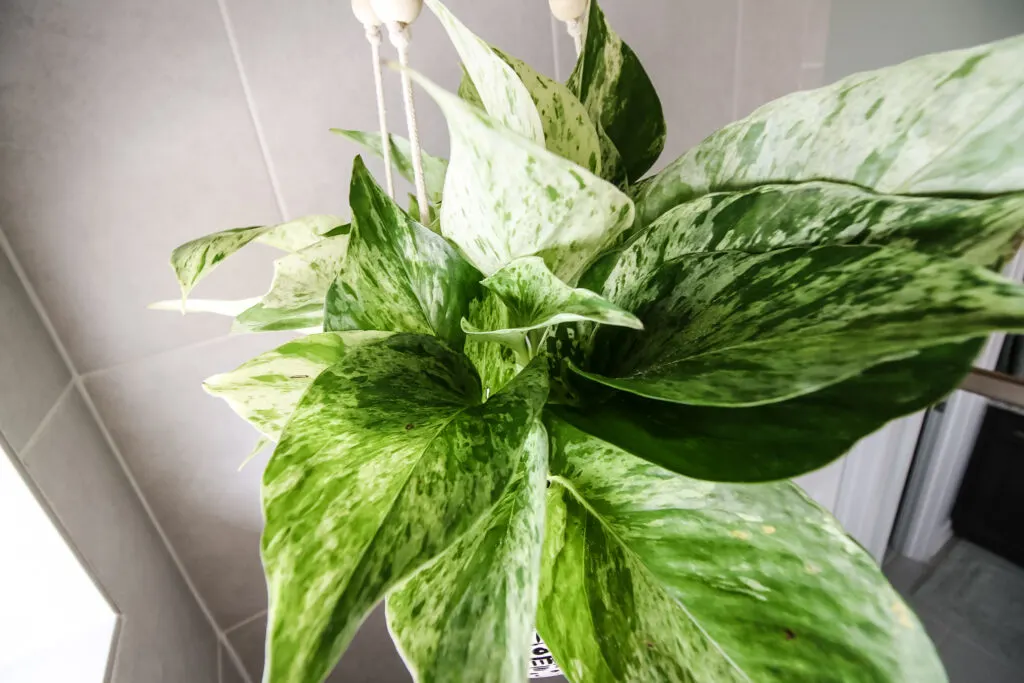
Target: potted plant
[572,398]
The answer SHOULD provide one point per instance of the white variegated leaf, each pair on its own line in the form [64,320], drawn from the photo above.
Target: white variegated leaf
[265,390]
[942,124]
[502,93]
[398,275]
[621,99]
[469,615]
[228,307]
[651,576]
[389,458]
[299,288]
[434,168]
[732,328]
[195,260]
[505,197]
[536,299]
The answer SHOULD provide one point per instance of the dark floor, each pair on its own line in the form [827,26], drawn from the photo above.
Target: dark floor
[972,603]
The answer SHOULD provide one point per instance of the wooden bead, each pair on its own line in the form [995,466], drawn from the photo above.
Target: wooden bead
[401,11]
[568,10]
[363,10]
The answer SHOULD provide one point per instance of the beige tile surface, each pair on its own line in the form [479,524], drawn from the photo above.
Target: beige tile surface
[771,51]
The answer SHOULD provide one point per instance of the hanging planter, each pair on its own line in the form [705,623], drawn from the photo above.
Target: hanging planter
[556,392]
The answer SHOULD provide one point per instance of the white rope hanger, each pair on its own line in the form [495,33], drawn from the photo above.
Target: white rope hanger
[368,18]
[397,15]
[572,13]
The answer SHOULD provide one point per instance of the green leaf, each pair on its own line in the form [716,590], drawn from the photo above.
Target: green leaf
[195,260]
[398,275]
[536,299]
[777,440]
[497,86]
[622,101]
[434,168]
[652,576]
[469,616]
[495,363]
[265,390]
[299,288]
[739,329]
[506,197]
[942,124]
[389,458]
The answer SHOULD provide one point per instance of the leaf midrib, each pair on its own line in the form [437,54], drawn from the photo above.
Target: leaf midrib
[568,486]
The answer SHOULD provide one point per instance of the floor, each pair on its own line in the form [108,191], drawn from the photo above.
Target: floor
[972,604]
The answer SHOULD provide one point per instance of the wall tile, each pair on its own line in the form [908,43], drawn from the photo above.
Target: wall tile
[127,133]
[771,51]
[370,658]
[164,635]
[815,30]
[32,374]
[812,76]
[308,65]
[184,447]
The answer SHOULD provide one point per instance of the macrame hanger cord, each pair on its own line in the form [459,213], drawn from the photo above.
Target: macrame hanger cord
[572,12]
[365,14]
[397,15]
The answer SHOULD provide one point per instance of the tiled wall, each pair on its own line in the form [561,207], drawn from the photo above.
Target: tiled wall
[164,636]
[130,126]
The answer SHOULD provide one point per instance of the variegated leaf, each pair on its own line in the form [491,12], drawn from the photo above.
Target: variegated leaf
[568,130]
[502,93]
[195,260]
[388,459]
[536,299]
[741,329]
[398,275]
[228,307]
[942,124]
[469,616]
[777,440]
[505,197]
[297,293]
[265,390]
[981,231]
[651,576]
[620,97]
[495,363]
[434,168]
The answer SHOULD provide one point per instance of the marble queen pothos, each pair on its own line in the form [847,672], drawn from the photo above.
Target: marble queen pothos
[573,400]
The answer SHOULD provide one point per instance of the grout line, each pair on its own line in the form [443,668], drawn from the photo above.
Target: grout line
[555,50]
[76,379]
[251,104]
[812,65]
[45,421]
[245,622]
[737,56]
[98,372]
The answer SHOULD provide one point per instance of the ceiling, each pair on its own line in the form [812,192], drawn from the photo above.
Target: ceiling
[127,128]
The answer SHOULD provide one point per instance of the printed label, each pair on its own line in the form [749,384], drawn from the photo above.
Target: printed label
[542,664]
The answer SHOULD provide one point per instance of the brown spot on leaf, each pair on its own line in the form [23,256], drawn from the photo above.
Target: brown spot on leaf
[409,426]
[789,634]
